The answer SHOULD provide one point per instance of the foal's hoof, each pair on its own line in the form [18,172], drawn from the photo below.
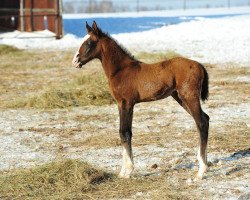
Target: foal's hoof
[201,172]
[198,178]
[125,173]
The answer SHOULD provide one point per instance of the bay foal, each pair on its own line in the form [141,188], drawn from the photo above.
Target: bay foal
[132,81]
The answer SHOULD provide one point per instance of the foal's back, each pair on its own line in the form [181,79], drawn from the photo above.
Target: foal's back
[159,80]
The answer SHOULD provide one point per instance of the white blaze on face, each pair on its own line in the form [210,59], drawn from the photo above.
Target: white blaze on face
[76,62]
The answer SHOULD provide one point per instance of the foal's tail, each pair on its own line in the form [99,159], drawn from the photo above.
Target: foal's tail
[204,89]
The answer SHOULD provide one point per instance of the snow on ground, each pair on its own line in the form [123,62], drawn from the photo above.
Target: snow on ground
[34,34]
[217,40]
[206,40]
[24,143]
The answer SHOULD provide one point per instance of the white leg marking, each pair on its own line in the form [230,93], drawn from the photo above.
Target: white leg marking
[127,164]
[202,165]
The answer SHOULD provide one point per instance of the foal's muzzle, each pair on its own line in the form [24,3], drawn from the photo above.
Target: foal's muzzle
[76,61]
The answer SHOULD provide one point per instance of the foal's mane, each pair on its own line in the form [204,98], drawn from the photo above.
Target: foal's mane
[121,47]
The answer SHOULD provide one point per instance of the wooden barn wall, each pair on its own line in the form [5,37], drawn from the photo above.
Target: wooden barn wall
[36,15]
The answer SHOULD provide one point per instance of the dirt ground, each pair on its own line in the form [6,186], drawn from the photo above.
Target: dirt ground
[164,135]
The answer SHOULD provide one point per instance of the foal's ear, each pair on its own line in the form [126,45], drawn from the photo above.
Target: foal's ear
[95,29]
[88,28]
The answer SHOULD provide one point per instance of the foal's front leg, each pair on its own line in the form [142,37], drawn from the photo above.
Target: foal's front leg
[126,116]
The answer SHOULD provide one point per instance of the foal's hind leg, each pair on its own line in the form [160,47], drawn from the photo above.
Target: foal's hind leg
[202,123]
[203,126]
[177,98]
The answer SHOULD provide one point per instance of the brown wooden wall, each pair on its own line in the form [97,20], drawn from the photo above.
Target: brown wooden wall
[36,15]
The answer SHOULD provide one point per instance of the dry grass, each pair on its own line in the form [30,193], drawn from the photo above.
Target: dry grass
[51,181]
[83,90]
[46,79]
[232,138]
[72,179]
[6,49]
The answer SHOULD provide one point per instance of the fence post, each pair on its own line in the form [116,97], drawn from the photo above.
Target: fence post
[228,3]
[21,16]
[58,19]
[184,4]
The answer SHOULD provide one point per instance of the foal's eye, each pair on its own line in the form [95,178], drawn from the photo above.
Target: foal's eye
[89,42]
[89,46]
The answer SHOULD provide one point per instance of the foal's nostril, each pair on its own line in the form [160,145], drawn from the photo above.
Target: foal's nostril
[78,58]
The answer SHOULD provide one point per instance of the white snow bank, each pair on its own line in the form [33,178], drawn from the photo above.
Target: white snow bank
[205,40]
[47,43]
[34,34]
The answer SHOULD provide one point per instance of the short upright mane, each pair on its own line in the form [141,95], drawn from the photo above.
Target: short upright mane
[123,49]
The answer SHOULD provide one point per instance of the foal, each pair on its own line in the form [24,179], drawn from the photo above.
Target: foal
[132,81]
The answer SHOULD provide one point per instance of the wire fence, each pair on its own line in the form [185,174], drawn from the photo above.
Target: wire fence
[104,6]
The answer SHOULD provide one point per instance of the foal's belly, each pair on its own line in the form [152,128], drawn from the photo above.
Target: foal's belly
[154,91]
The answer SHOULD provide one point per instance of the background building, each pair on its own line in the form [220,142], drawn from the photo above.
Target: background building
[31,15]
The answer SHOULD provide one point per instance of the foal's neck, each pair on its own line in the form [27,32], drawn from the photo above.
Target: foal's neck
[114,58]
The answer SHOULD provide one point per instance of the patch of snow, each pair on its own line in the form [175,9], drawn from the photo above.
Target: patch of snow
[206,40]
[21,150]
[48,43]
[230,189]
[34,34]
[239,113]
[243,79]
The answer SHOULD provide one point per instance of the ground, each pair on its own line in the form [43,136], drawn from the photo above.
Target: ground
[164,135]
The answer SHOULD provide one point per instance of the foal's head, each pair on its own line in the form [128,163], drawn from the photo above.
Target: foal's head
[90,47]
